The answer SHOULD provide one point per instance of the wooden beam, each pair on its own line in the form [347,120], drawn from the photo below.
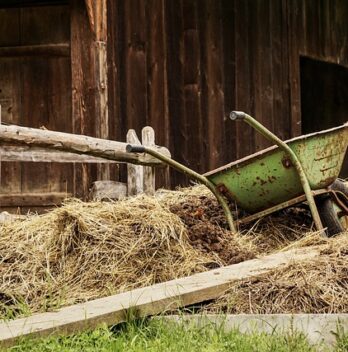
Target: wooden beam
[34,154]
[145,301]
[62,49]
[78,144]
[32,199]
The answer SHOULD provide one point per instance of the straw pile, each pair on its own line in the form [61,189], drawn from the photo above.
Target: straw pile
[313,286]
[83,251]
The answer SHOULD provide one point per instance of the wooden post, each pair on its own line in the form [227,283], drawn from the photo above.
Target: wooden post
[135,173]
[148,139]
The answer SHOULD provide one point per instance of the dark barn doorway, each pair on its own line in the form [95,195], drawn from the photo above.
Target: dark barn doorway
[324,97]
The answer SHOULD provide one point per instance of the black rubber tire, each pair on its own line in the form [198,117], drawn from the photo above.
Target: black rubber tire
[327,211]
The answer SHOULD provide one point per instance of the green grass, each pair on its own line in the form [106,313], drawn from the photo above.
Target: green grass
[160,335]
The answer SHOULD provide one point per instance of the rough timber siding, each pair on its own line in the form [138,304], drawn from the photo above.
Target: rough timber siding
[182,65]
[178,65]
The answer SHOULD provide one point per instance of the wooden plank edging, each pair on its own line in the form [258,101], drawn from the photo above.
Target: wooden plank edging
[145,301]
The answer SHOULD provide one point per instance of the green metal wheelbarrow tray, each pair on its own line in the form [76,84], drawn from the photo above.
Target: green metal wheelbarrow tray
[300,169]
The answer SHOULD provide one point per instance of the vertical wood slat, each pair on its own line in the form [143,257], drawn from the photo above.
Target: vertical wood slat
[135,64]
[83,85]
[191,121]
[148,140]
[228,22]
[158,113]
[213,96]
[294,13]
[45,93]
[174,39]
[280,65]
[10,91]
[115,122]
[101,78]
[264,70]
[244,97]
[135,173]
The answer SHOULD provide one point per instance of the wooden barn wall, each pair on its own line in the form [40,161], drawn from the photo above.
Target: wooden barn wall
[182,65]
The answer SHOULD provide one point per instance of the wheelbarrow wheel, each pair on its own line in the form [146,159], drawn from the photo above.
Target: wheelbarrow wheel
[328,210]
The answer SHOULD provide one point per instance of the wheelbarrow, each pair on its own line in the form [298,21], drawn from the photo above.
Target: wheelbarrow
[302,169]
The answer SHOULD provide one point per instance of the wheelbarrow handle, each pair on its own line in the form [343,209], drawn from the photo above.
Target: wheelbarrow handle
[195,175]
[237,115]
[130,148]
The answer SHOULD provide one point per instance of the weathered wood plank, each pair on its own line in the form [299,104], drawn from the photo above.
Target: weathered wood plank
[83,89]
[229,77]
[294,39]
[145,301]
[101,77]
[191,122]
[62,49]
[243,76]
[45,91]
[135,64]
[108,190]
[213,111]
[175,68]
[75,143]
[10,88]
[157,61]
[148,139]
[135,173]
[34,154]
[32,199]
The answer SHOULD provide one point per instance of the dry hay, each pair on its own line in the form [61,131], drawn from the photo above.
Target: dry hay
[318,285]
[83,251]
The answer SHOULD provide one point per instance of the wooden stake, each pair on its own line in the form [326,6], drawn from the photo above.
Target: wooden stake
[148,139]
[135,177]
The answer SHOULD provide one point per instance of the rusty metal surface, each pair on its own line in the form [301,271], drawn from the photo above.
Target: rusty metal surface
[267,178]
[278,207]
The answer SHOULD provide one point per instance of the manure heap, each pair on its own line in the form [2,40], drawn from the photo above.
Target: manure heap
[82,251]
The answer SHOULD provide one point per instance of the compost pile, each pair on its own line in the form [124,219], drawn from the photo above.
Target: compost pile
[83,251]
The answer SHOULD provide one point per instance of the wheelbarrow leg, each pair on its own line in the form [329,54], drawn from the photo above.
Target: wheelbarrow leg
[198,177]
[293,157]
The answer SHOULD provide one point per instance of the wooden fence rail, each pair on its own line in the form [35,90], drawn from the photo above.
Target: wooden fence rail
[78,144]
[23,144]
